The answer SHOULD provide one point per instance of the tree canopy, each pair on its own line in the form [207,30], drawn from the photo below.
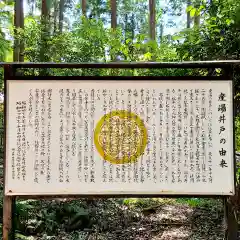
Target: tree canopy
[136,30]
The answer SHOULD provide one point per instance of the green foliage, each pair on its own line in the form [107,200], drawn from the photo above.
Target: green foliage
[32,217]
[5,23]
[237,133]
[217,37]
[145,202]
[91,41]
[201,202]
[237,145]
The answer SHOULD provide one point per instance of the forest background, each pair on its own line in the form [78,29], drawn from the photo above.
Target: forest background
[115,30]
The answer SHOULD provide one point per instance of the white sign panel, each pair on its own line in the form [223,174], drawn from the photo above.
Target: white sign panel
[119,137]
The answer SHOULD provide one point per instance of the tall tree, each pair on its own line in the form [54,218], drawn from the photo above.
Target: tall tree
[152,22]
[55,15]
[133,17]
[188,14]
[45,24]
[197,14]
[99,9]
[61,15]
[18,53]
[161,32]
[84,8]
[113,14]
[32,6]
[114,26]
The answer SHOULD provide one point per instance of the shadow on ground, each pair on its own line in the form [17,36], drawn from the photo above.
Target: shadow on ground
[119,220]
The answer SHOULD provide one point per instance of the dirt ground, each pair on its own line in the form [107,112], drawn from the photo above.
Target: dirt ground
[164,221]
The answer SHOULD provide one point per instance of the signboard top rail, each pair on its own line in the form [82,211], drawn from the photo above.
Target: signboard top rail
[186,64]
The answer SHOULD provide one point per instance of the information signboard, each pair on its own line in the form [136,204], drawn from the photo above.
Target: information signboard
[119,137]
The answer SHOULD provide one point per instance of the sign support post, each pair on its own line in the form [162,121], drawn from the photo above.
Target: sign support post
[231,222]
[7,217]
[9,202]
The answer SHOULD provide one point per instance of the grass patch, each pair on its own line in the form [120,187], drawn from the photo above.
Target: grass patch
[200,202]
[146,202]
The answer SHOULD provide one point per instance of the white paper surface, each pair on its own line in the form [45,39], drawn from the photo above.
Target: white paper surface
[51,149]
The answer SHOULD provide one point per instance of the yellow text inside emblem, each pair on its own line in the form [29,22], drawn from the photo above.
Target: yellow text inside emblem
[120,137]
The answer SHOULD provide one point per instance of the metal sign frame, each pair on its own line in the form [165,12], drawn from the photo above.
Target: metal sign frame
[11,72]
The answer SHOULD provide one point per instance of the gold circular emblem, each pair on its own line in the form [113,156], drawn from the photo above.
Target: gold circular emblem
[120,137]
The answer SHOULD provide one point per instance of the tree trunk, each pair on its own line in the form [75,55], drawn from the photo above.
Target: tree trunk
[161,32]
[231,227]
[113,14]
[188,15]
[84,8]
[196,21]
[18,53]
[113,22]
[61,10]
[21,54]
[55,14]
[31,5]
[133,26]
[197,18]
[44,57]
[126,27]
[152,22]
